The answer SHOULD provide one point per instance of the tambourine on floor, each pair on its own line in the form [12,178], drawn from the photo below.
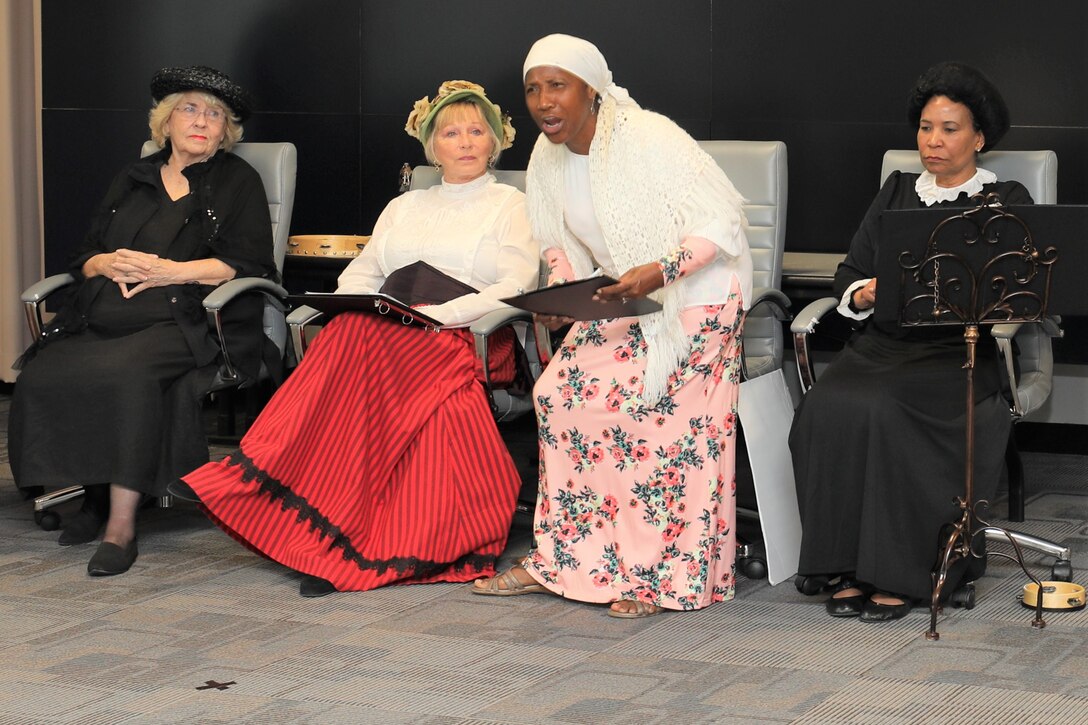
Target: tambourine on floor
[1057,596]
[326,245]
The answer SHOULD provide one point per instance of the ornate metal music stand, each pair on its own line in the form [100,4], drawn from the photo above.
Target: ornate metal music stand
[980,267]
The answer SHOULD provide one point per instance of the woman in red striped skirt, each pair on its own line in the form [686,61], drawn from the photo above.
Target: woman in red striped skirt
[378,460]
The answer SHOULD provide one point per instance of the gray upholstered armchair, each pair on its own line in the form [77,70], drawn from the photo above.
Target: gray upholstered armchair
[759,171]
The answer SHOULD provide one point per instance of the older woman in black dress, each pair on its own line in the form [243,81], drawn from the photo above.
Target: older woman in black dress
[877,442]
[110,400]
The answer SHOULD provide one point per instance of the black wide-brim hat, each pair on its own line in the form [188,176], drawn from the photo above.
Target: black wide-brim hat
[202,78]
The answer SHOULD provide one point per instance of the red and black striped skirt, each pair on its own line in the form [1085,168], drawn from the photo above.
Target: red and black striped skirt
[377,462]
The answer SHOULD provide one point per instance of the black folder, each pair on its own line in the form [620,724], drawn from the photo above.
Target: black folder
[374,303]
[421,284]
[575,300]
[415,284]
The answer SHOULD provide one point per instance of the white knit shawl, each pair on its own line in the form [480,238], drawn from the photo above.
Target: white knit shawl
[643,168]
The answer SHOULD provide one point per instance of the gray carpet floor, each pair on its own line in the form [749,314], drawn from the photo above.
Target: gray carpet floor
[203,631]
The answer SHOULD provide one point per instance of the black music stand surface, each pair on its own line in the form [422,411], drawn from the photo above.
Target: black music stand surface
[1064,227]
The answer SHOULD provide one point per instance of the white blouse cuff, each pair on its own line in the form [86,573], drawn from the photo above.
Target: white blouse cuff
[844,303]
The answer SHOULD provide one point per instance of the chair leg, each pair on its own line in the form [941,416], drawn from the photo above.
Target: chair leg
[50,520]
[1015,468]
[255,397]
[45,501]
[225,421]
[1027,541]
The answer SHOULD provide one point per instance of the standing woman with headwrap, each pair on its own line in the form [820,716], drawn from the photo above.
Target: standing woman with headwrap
[637,414]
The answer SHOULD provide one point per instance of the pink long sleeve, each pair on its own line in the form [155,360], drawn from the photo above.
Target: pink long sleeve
[559,269]
[693,254]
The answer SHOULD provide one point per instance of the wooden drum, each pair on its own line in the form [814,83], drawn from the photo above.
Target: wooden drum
[326,245]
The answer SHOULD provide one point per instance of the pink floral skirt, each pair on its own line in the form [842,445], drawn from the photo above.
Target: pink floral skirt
[637,500]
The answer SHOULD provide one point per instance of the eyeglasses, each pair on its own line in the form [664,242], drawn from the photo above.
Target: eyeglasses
[212,115]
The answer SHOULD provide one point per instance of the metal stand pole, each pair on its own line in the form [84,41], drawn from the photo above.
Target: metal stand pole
[959,543]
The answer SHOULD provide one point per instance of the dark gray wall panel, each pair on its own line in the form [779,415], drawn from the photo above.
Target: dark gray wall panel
[83,150]
[338,77]
[831,80]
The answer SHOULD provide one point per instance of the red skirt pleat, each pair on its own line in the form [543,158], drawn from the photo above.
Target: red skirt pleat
[378,461]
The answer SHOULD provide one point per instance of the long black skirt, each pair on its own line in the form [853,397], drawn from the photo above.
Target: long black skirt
[94,408]
[878,450]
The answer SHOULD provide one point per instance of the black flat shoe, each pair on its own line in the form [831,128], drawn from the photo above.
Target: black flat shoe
[875,612]
[82,528]
[111,559]
[847,606]
[182,490]
[315,586]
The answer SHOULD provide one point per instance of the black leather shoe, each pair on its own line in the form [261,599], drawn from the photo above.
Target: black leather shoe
[875,612]
[182,490]
[111,559]
[83,527]
[315,586]
[847,606]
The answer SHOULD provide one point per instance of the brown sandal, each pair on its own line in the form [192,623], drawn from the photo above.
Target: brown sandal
[507,584]
[642,609]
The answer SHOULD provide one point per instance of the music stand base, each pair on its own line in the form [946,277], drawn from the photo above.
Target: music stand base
[959,546]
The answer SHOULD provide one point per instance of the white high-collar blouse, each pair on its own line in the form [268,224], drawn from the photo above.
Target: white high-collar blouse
[928,191]
[476,232]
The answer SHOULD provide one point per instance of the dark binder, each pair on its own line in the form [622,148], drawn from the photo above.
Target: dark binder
[421,284]
[415,284]
[375,303]
[575,300]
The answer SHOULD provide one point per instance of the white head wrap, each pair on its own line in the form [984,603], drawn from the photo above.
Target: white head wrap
[579,57]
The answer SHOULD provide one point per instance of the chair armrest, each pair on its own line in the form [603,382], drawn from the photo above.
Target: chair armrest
[806,320]
[482,328]
[776,299]
[222,295]
[1028,389]
[1007,330]
[499,318]
[227,292]
[34,295]
[1052,325]
[37,292]
[297,321]
[303,315]
[803,325]
[763,333]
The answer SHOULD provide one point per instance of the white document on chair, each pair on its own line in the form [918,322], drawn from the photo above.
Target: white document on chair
[766,412]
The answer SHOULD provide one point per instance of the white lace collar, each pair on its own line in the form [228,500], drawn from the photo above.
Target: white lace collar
[452,189]
[928,191]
